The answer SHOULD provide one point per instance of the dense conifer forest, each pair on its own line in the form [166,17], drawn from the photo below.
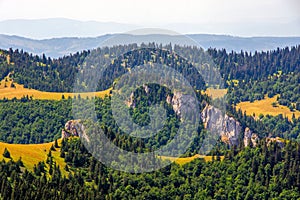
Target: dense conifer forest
[46,74]
[267,171]
[264,172]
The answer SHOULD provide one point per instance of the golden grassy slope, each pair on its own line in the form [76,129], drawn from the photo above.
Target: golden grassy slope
[215,93]
[19,91]
[182,161]
[265,107]
[31,154]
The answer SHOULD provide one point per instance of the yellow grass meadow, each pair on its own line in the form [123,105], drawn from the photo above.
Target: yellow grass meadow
[18,91]
[182,161]
[32,154]
[215,93]
[265,107]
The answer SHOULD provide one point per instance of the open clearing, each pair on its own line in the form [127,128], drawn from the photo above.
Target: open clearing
[215,93]
[32,154]
[265,107]
[18,91]
[182,161]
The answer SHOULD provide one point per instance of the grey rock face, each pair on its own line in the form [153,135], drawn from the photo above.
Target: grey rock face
[182,104]
[227,127]
[74,128]
[250,138]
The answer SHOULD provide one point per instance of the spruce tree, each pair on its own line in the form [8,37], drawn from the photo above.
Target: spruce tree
[6,153]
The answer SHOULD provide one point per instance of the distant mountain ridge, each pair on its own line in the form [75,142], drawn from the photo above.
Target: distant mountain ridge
[61,27]
[58,47]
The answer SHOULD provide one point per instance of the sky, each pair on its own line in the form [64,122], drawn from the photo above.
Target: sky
[235,17]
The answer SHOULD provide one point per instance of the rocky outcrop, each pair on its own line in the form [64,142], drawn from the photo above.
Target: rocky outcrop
[181,103]
[250,138]
[230,129]
[146,88]
[277,140]
[227,127]
[73,128]
[131,101]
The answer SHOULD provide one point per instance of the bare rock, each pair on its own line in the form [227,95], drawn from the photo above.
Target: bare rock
[130,102]
[227,127]
[278,140]
[146,88]
[250,138]
[74,128]
[182,103]
[254,139]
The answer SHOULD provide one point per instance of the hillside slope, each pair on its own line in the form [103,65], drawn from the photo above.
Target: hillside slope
[32,154]
[10,90]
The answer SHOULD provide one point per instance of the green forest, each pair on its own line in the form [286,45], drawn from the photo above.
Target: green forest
[266,171]
[57,75]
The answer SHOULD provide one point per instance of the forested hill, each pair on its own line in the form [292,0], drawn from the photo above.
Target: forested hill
[259,65]
[264,172]
[267,170]
[57,75]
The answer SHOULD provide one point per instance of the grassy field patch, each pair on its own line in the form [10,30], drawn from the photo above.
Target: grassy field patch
[182,161]
[32,154]
[10,90]
[265,107]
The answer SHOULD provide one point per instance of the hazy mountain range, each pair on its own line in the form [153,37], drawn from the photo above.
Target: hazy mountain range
[60,27]
[58,46]
[63,27]
[63,46]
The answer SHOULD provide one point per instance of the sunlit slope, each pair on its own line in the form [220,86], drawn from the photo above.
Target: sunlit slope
[32,154]
[215,93]
[10,90]
[182,161]
[265,107]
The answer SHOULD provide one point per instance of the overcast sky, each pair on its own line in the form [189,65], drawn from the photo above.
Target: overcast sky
[236,17]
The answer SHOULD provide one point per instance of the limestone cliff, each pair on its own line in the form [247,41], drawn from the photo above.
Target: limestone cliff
[227,127]
[250,138]
[230,129]
[73,128]
[181,103]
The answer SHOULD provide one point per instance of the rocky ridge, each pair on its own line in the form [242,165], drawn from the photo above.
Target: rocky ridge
[228,128]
